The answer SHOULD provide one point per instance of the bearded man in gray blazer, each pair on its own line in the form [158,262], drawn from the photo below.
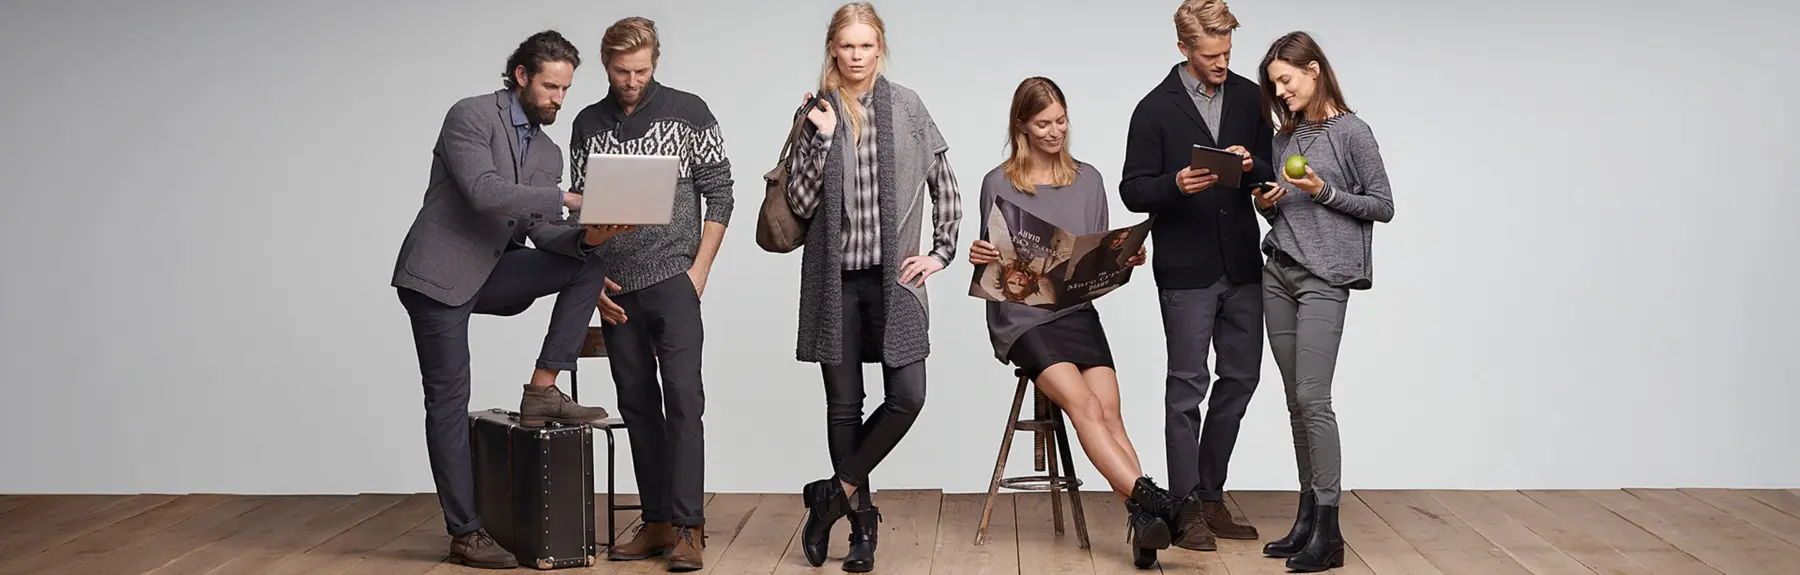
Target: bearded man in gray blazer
[494,184]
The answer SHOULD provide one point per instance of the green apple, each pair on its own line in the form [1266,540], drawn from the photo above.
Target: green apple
[1296,167]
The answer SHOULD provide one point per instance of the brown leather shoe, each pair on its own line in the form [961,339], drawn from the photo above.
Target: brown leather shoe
[479,550]
[690,549]
[650,540]
[542,405]
[1218,518]
[1191,530]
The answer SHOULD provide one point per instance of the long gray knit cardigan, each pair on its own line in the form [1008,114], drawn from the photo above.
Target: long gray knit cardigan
[908,142]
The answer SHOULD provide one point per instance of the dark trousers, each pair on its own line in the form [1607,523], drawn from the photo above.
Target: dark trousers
[663,332]
[1228,319]
[858,446]
[441,334]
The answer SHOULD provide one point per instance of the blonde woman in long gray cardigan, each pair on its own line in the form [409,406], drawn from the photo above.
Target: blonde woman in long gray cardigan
[869,156]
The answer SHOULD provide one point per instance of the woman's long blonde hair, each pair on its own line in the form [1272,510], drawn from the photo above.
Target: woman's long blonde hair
[1033,96]
[830,81]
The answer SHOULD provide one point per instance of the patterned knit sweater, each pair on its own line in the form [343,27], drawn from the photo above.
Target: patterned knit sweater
[666,122]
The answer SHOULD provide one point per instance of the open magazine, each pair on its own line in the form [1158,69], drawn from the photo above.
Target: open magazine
[1043,266]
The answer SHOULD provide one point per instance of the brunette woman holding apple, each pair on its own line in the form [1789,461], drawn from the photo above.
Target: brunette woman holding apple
[1333,189]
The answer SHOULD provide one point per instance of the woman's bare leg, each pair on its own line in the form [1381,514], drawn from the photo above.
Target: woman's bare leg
[1063,384]
[1104,383]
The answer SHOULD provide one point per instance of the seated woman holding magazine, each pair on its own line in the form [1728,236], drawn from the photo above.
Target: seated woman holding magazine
[1065,350]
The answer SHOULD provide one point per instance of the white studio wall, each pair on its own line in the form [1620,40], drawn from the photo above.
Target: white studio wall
[1585,284]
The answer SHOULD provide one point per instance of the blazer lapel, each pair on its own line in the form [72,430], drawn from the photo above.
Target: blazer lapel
[1178,91]
[503,101]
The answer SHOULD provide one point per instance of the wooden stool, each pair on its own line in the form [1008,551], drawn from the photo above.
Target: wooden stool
[595,346]
[1050,438]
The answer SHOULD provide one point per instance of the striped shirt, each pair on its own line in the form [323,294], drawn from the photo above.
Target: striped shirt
[861,233]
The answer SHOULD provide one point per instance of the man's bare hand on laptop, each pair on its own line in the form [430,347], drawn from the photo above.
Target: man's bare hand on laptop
[572,201]
[597,235]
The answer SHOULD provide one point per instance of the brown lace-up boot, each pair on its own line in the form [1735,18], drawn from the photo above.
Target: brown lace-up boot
[540,406]
[650,540]
[690,549]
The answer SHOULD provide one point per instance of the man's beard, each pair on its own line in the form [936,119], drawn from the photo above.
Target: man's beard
[544,116]
[538,114]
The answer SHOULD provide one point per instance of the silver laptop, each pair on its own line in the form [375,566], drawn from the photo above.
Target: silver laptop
[630,190]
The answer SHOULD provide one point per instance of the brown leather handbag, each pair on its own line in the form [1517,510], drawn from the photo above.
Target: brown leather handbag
[778,228]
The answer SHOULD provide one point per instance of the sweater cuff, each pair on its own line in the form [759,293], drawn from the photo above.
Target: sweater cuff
[1326,195]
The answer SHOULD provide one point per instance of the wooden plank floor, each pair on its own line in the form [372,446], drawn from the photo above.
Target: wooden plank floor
[1655,531]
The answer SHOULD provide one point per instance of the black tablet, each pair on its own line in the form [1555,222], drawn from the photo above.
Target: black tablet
[1228,165]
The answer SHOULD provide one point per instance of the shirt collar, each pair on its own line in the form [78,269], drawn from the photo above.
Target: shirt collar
[519,119]
[1193,84]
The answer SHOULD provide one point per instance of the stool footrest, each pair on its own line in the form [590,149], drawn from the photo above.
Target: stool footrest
[1039,483]
[1037,425]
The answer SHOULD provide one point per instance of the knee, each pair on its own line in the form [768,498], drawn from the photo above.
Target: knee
[1311,399]
[1110,415]
[1086,411]
[908,401]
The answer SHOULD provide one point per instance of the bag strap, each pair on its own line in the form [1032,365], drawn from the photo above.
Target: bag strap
[788,145]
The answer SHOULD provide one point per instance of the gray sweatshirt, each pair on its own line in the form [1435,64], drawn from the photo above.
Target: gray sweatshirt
[1080,208]
[1332,235]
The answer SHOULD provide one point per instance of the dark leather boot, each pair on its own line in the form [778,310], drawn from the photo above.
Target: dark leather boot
[1297,537]
[689,553]
[1147,533]
[1325,548]
[1192,530]
[1158,501]
[1220,521]
[865,528]
[650,540]
[539,407]
[479,550]
[1143,558]
[825,505]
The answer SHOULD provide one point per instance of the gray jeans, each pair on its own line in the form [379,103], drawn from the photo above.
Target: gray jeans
[1305,318]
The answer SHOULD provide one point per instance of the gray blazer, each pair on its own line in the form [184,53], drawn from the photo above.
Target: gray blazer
[480,202]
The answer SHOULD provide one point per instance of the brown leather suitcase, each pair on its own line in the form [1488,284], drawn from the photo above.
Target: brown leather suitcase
[534,488]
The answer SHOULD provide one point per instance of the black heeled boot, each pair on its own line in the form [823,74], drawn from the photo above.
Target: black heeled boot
[1159,502]
[825,505]
[865,527]
[1325,548]
[1297,537]
[1147,533]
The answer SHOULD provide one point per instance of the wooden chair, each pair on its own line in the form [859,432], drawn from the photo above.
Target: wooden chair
[1050,439]
[595,346]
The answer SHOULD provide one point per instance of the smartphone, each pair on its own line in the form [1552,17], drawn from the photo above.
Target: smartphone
[1261,187]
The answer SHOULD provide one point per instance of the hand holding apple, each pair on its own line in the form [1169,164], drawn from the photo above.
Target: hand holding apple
[1296,166]
[1307,181]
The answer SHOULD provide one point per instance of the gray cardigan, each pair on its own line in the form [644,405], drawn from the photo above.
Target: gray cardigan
[908,142]
[1332,235]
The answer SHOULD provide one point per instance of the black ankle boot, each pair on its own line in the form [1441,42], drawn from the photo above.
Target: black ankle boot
[1325,548]
[1302,531]
[1147,530]
[865,527]
[1159,502]
[825,505]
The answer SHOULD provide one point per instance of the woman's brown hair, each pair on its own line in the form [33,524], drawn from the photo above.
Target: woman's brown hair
[1299,50]
[1032,97]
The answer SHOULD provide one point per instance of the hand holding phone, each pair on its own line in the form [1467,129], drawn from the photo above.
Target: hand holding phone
[1266,194]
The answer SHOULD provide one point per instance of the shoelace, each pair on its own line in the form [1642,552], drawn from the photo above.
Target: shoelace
[686,535]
